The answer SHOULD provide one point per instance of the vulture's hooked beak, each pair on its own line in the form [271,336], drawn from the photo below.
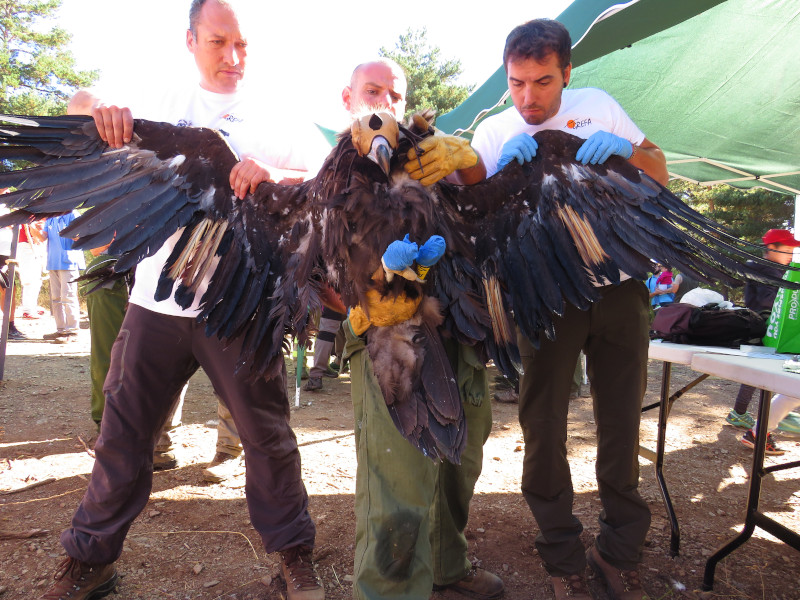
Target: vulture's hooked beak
[375,136]
[381,153]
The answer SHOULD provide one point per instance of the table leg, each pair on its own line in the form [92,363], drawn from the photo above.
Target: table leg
[753,496]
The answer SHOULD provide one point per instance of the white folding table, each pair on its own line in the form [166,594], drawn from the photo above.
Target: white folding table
[765,374]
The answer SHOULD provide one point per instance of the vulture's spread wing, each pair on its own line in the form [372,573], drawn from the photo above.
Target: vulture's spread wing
[167,179]
[544,231]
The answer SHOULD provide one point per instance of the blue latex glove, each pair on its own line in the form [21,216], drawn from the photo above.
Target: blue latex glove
[431,251]
[400,254]
[521,147]
[601,145]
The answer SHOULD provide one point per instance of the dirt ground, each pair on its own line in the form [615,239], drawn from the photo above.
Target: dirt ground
[194,540]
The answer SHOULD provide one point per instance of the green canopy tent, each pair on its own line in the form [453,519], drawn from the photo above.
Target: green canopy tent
[712,83]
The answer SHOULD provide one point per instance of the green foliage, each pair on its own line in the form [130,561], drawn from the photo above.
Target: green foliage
[431,79]
[37,72]
[747,213]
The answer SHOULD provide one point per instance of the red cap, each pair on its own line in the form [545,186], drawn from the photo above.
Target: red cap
[780,236]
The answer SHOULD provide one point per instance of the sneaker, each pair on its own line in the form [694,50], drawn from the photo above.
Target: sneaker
[78,581]
[745,421]
[478,583]
[770,449]
[620,584]
[298,571]
[163,460]
[224,467]
[790,424]
[573,587]
[31,316]
[314,384]
[16,334]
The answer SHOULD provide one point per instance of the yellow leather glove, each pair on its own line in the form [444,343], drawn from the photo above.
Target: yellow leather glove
[383,312]
[440,155]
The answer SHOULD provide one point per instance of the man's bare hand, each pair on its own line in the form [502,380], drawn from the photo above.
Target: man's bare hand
[246,175]
[114,124]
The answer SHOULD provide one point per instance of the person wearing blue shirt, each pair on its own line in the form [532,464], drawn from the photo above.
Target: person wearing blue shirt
[63,264]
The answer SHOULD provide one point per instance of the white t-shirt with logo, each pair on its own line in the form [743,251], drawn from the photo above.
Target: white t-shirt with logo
[582,112]
[267,136]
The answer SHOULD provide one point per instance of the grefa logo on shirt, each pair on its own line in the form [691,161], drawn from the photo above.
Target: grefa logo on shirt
[577,124]
[230,118]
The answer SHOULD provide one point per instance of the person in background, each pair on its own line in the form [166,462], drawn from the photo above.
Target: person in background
[780,407]
[779,244]
[329,323]
[64,265]
[31,250]
[411,513]
[660,286]
[613,332]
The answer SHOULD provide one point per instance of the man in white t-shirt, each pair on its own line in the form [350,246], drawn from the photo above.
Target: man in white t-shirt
[161,345]
[613,332]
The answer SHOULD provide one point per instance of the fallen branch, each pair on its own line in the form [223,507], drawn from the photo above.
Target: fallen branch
[22,535]
[89,451]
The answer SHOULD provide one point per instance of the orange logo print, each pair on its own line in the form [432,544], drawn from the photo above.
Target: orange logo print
[571,124]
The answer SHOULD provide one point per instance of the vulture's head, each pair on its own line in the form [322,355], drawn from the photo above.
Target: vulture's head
[376,135]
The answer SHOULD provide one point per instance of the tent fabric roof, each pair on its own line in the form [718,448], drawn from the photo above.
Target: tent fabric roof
[710,82]
[597,27]
[719,93]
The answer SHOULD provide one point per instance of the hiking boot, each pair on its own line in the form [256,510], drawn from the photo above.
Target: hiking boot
[66,337]
[223,468]
[478,583]
[770,449]
[330,372]
[506,397]
[54,336]
[298,571]
[745,421]
[572,587]
[789,424]
[163,460]
[314,384]
[76,580]
[620,584]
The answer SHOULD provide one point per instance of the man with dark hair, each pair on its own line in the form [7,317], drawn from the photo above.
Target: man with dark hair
[161,344]
[613,332]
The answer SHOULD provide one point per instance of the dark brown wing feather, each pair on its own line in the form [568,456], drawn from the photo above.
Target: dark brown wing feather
[167,179]
[547,228]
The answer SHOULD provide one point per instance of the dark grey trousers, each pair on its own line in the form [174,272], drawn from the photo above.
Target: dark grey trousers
[153,357]
[613,334]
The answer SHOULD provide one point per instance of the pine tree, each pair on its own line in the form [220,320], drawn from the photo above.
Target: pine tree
[431,80]
[37,71]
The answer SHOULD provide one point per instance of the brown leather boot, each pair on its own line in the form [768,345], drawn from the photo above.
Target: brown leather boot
[301,579]
[570,587]
[76,580]
[478,583]
[620,584]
